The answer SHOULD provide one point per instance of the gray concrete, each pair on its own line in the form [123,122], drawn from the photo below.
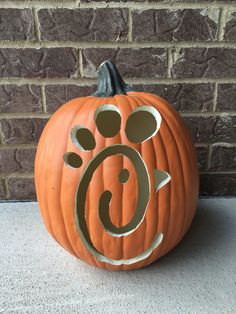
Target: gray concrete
[199,276]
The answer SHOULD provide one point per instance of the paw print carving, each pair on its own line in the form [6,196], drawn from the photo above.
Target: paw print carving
[142,124]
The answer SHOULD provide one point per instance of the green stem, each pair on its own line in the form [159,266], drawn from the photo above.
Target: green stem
[110,82]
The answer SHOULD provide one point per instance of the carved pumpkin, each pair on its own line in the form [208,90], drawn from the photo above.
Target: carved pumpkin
[116,175]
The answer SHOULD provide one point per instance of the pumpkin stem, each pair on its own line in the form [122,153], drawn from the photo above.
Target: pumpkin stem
[110,82]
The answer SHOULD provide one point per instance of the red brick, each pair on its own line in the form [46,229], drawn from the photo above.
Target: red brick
[166,25]
[218,185]
[132,63]
[223,158]
[21,189]
[24,98]
[16,24]
[202,155]
[204,62]
[16,160]
[226,98]
[43,62]
[230,25]
[212,129]
[84,24]
[2,190]
[183,97]
[22,131]
[57,95]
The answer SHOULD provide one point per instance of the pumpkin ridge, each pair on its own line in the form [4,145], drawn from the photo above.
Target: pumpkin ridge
[189,151]
[103,241]
[41,176]
[169,191]
[131,107]
[124,100]
[89,217]
[147,98]
[182,157]
[133,104]
[183,179]
[61,177]
[89,153]
[45,210]
[116,100]
[168,169]
[122,196]
[139,102]
[69,245]
[80,107]
[38,180]
[90,213]
[64,235]
[105,101]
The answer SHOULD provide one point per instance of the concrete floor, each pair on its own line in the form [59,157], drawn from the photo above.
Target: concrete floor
[199,276]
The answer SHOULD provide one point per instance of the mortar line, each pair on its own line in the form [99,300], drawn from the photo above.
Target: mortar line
[5,187]
[19,146]
[198,144]
[221,24]
[76,74]
[2,136]
[224,144]
[152,5]
[215,94]
[36,25]
[201,145]
[130,25]
[209,154]
[27,115]
[219,172]
[31,200]
[116,44]
[71,4]
[169,63]
[24,115]
[30,175]
[91,81]
[22,4]
[81,71]
[207,114]
[43,95]
[34,146]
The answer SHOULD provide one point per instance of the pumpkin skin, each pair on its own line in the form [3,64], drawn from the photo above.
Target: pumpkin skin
[169,211]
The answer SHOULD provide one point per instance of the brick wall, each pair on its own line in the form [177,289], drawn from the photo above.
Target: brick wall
[183,50]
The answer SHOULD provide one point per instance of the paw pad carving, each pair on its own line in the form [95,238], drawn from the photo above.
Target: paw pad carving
[142,124]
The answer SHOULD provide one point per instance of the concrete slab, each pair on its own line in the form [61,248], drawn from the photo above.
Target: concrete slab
[199,276]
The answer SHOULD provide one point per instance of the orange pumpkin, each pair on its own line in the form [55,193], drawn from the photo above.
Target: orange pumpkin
[116,175]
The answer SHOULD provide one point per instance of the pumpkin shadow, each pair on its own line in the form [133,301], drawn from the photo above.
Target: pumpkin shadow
[205,237]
